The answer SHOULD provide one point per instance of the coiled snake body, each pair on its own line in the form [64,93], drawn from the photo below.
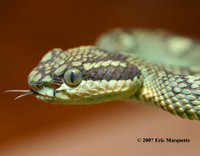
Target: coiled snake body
[154,66]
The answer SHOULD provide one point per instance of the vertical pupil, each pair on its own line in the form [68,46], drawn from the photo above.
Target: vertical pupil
[72,77]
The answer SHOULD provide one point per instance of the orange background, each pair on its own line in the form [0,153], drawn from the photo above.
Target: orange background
[28,29]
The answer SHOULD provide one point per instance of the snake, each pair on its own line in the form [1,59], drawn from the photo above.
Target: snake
[154,66]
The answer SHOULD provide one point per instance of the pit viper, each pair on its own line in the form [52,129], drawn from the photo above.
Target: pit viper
[153,66]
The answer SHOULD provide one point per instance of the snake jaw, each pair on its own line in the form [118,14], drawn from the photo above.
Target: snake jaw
[87,92]
[44,91]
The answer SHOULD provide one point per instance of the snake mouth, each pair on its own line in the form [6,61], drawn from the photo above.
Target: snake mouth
[45,91]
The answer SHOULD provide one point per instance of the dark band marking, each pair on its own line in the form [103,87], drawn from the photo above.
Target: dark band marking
[112,73]
[103,72]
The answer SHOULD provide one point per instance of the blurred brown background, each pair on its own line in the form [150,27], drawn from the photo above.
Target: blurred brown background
[28,127]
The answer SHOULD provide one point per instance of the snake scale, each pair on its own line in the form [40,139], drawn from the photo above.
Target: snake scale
[154,66]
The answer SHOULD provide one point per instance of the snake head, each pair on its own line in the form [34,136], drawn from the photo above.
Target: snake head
[83,75]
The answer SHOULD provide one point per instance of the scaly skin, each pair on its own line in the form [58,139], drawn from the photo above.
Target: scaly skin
[105,76]
[173,86]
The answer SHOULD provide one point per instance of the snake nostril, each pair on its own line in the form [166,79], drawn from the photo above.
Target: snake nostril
[39,86]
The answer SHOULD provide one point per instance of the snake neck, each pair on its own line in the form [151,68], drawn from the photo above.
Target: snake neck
[150,85]
[175,93]
[150,74]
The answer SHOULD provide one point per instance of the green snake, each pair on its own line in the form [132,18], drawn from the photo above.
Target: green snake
[153,66]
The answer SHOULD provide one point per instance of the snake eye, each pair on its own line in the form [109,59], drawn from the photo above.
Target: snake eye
[73,76]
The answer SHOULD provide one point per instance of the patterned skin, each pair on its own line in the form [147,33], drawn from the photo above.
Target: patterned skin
[158,75]
[105,76]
